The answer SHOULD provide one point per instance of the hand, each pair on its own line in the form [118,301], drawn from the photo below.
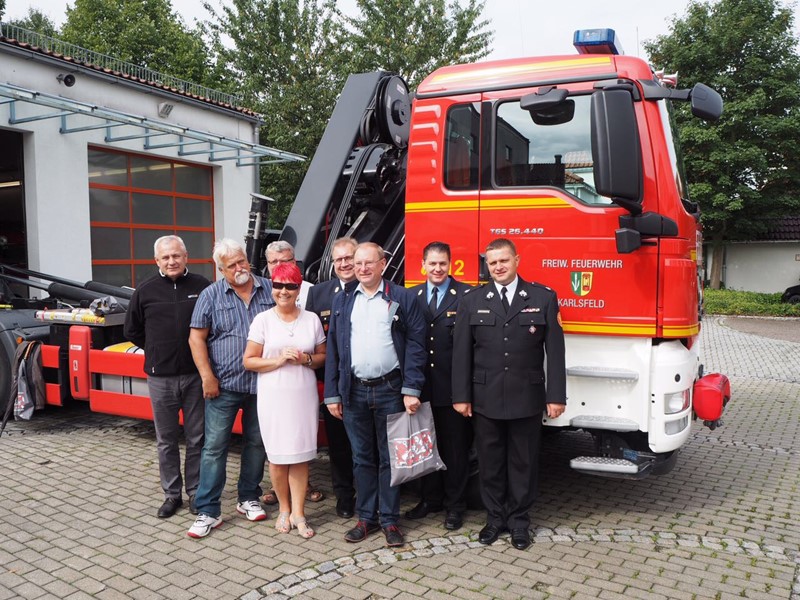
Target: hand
[412,404]
[463,408]
[335,410]
[210,387]
[555,410]
[291,355]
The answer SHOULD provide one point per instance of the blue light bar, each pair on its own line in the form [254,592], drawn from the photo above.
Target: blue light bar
[597,41]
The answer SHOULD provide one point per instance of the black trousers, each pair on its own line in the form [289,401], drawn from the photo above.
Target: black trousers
[341,456]
[508,466]
[453,440]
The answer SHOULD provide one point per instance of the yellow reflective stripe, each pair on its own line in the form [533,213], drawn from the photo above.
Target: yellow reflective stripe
[627,329]
[681,330]
[487,204]
[521,69]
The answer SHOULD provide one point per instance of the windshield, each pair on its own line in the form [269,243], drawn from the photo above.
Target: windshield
[557,152]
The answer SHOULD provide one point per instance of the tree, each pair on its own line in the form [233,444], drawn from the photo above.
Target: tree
[2,8]
[36,21]
[143,32]
[281,55]
[414,37]
[744,167]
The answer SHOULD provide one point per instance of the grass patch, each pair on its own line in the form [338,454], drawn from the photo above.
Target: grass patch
[733,302]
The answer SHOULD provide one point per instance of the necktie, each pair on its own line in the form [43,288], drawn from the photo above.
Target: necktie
[503,293]
[434,300]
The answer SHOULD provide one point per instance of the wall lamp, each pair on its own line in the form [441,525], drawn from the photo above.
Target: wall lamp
[68,79]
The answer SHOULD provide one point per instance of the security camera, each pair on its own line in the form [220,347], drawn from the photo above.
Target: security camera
[68,79]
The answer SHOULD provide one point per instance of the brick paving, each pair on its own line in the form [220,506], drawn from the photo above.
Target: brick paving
[79,491]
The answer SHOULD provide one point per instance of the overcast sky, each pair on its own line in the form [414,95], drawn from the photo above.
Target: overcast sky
[521,27]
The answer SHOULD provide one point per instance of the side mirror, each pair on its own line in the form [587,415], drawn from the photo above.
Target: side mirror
[706,103]
[616,149]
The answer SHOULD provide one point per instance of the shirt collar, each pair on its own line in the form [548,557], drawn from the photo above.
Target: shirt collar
[511,288]
[360,288]
[442,287]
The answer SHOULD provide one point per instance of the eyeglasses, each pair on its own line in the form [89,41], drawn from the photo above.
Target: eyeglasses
[366,264]
[276,261]
[342,260]
[280,285]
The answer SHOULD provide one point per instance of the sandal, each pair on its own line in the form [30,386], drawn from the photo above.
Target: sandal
[314,495]
[270,498]
[302,527]
[284,522]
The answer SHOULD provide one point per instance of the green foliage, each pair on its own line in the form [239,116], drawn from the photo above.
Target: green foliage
[732,302]
[143,32]
[415,37]
[744,167]
[283,59]
[36,21]
[2,8]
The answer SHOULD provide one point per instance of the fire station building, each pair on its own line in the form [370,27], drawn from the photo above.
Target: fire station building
[99,158]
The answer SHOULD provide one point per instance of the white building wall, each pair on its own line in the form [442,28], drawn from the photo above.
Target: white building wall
[56,166]
[767,267]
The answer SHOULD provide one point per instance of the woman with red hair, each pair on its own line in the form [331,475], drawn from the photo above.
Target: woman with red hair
[284,346]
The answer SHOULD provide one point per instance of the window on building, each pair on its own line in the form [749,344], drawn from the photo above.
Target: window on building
[134,200]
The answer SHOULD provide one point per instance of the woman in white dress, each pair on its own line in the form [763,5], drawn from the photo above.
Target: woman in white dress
[284,346]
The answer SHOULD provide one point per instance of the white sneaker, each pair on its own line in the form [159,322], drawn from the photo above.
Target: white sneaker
[203,526]
[252,510]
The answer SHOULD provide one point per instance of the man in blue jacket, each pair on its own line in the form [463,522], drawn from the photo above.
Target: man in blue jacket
[158,321]
[374,367]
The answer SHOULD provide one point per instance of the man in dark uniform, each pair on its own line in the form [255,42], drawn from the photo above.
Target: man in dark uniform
[503,331]
[319,301]
[438,299]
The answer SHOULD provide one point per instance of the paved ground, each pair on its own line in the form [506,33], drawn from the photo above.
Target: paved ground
[78,494]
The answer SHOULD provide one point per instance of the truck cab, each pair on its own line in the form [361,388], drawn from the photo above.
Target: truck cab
[573,158]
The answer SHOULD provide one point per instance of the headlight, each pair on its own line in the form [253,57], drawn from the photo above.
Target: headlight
[677,402]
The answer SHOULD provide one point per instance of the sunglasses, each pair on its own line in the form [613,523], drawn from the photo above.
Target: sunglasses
[279,285]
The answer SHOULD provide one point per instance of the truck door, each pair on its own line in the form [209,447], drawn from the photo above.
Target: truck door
[537,189]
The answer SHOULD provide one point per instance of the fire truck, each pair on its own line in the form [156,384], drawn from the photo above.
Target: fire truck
[574,159]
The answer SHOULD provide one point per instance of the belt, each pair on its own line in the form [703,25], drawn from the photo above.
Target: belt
[377,380]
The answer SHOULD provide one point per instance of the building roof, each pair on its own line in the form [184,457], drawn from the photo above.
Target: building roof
[780,229]
[39,46]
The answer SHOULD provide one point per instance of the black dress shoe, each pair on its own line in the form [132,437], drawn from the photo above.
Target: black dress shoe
[192,505]
[489,534]
[520,538]
[453,520]
[361,531]
[344,508]
[421,510]
[169,508]
[394,537]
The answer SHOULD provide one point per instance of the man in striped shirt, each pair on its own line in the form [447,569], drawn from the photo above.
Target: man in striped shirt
[218,337]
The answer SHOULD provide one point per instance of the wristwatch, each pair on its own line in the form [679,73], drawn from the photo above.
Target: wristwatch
[310,359]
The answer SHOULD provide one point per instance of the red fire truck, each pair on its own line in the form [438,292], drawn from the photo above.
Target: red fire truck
[574,159]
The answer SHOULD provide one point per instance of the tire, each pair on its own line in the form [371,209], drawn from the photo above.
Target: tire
[5,382]
[793,299]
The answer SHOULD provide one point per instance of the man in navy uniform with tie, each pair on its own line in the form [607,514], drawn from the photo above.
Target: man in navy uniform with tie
[438,298]
[503,331]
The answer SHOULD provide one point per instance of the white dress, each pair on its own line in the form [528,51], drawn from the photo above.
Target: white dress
[288,401]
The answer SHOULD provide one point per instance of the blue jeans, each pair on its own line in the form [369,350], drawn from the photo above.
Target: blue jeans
[220,415]
[365,415]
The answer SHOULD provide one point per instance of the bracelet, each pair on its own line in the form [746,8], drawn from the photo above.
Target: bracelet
[310,359]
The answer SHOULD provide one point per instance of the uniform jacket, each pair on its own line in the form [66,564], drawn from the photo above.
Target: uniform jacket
[408,335]
[439,341]
[158,320]
[498,358]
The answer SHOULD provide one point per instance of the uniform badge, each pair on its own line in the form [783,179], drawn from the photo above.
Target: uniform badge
[490,295]
[452,291]
[531,309]
[532,329]
[451,313]
[324,313]
[558,318]
[523,294]
[484,310]
[419,292]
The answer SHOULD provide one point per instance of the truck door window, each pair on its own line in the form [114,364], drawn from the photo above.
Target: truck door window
[673,147]
[554,155]
[461,157]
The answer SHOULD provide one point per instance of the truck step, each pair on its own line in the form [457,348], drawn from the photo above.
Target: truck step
[603,373]
[603,422]
[602,464]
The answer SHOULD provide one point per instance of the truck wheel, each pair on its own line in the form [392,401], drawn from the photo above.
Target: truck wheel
[793,299]
[5,382]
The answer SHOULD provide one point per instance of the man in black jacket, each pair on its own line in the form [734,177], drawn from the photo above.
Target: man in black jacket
[158,320]
[438,298]
[319,301]
[503,331]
